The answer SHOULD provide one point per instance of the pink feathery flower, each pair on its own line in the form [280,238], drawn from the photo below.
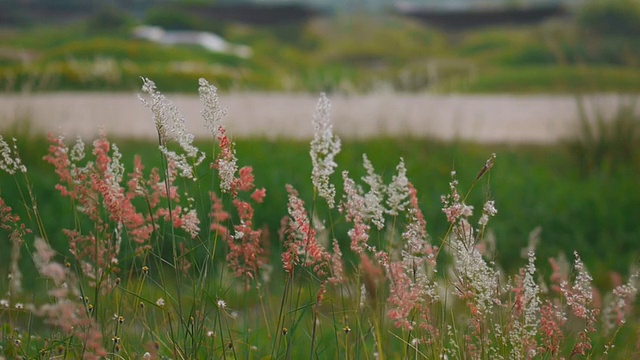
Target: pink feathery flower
[244,181]
[412,291]
[258,195]
[226,162]
[354,208]
[66,313]
[301,245]
[551,320]
[621,303]
[42,258]
[402,300]
[218,214]
[246,255]
[579,297]
[337,266]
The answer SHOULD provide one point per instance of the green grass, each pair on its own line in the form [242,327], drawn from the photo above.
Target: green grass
[329,54]
[595,213]
[555,79]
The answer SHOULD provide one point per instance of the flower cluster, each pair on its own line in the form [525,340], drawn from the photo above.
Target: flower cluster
[10,161]
[324,147]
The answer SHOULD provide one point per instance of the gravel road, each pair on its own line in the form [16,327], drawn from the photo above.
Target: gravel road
[482,118]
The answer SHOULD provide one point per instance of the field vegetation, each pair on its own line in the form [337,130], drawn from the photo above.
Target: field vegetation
[387,248]
[595,49]
[419,249]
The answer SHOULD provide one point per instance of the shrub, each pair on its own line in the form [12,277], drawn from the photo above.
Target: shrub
[173,19]
[611,17]
[607,143]
[109,18]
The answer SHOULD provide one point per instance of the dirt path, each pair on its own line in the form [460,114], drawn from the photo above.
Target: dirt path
[489,119]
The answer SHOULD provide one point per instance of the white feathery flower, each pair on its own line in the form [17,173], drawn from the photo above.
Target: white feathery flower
[211,112]
[170,122]
[373,199]
[227,169]
[10,161]
[398,190]
[191,223]
[77,152]
[324,147]
[116,169]
[531,297]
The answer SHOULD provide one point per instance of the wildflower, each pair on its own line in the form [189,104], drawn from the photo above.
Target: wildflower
[77,152]
[398,190]
[146,356]
[551,319]
[221,304]
[579,297]
[620,303]
[190,222]
[373,198]
[226,162]
[211,112]
[487,210]
[525,313]
[19,306]
[42,258]
[4,302]
[302,247]
[170,122]
[210,333]
[246,255]
[10,161]
[354,207]
[324,147]
[337,268]
[160,302]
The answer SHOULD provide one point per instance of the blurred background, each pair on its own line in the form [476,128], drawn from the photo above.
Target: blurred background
[350,46]
[550,86]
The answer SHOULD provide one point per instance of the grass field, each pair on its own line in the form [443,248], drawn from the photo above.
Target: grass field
[344,54]
[171,249]
[193,261]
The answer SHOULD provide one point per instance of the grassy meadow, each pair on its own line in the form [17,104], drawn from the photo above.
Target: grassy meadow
[343,53]
[232,247]
[116,260]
